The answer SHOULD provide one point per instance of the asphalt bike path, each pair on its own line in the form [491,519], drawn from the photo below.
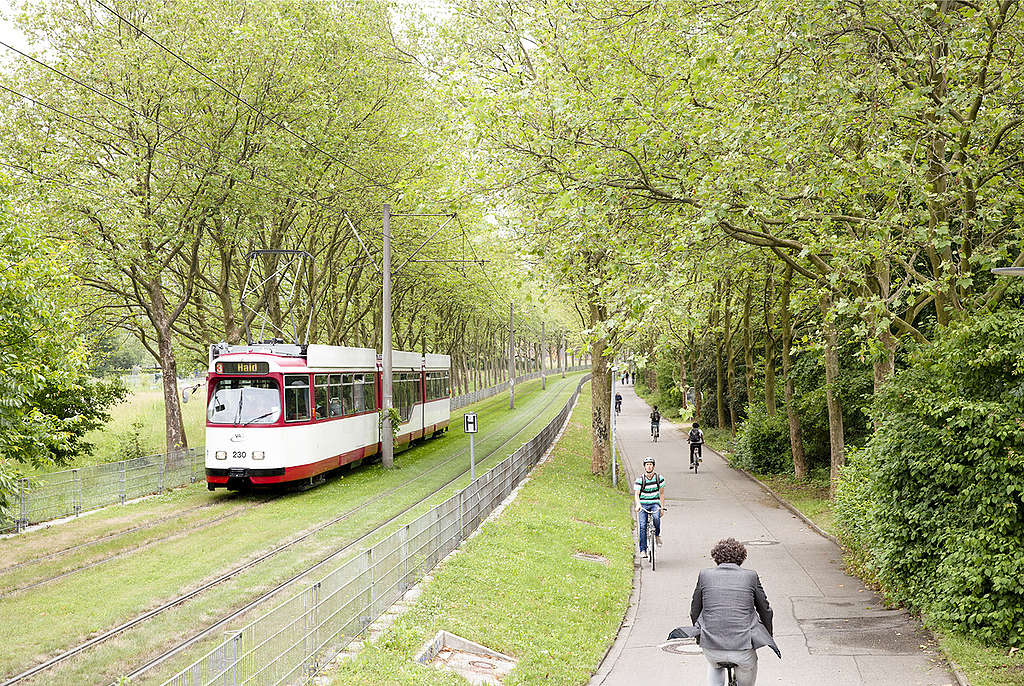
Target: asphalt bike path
[830,628]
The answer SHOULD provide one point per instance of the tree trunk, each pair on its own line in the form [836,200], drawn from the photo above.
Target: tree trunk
[835,410]
[769,345]
[601,394]
[682,375]
[748,344]
[730,357]
[796,443]
[719,370]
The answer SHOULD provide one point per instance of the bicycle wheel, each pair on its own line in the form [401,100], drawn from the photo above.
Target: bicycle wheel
[650,539]
[696,462]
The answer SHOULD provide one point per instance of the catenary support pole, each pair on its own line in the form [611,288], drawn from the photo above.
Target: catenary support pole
[511,360]
[543,351]
[561,356]
[386,434]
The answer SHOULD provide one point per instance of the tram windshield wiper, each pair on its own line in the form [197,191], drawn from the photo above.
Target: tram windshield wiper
[256,419]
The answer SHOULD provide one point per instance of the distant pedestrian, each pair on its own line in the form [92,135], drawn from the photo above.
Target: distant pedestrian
[731,611]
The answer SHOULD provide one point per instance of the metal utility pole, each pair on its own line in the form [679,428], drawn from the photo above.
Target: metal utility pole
[543,351]
[387,440]
[561,356]
[511,360]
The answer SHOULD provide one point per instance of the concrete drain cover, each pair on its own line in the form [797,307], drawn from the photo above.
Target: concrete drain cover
[591,557]
[472,661]
[760,541]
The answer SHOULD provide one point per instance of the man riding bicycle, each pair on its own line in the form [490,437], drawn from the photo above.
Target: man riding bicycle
[649,496]
[655,422]
[618,403]
[696,438]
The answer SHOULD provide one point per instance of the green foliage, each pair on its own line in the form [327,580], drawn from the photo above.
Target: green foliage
[936,501]
[762,442]
[129,442]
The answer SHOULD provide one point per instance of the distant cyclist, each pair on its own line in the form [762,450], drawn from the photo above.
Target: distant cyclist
[655,423]
[618,403]
[649,496]
[696,438]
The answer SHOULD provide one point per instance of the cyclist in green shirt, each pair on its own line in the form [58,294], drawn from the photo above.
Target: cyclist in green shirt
[649,496]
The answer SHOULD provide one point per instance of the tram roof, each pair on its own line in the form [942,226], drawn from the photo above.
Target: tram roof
[331,356]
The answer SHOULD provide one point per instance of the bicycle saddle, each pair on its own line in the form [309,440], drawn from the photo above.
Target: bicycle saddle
[727,665]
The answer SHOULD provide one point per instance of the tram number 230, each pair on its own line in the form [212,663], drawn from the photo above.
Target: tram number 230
[238,454]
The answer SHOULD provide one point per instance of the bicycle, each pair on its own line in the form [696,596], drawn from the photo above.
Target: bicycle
[730,672]
[652,540]
[654,432]
[695,456]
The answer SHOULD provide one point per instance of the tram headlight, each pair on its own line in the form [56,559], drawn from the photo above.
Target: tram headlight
[221,455]
[258,454]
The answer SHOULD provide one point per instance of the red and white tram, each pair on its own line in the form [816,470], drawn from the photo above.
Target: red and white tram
[280,413]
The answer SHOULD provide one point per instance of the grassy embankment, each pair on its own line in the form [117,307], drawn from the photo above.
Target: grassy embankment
[517,589]
[983,665]
[113,590]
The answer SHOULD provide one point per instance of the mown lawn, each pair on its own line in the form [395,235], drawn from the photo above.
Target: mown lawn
[517,589]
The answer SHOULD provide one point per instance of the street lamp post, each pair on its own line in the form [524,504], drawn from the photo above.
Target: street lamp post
[615,471]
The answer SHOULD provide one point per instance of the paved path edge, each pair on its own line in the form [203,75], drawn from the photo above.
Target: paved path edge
[954,668]
[604,667]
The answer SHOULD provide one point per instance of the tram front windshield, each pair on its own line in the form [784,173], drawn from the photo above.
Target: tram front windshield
[243,401]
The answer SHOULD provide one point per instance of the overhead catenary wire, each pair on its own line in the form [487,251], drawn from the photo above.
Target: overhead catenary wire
[231,94]
[290,191]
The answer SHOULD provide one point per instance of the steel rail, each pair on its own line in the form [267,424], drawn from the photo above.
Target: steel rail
[174,602]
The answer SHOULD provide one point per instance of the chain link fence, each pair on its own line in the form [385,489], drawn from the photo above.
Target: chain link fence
[478,395]
[70,492]
[294,640]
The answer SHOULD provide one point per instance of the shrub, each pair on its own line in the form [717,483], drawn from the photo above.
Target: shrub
[944,496]
[762,443]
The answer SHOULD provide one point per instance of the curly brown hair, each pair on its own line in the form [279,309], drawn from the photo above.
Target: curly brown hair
[729,550]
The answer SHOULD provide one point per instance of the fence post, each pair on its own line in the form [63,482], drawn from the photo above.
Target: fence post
[312,624]
[77,497]
[22,522]
[368,617]
[405,558]
[124,481]
[462,517]
[163,471]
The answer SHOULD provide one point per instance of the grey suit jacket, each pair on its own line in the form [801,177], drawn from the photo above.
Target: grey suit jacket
[731,610]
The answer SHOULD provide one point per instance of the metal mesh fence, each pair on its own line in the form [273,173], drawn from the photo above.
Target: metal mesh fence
[292,641]
[73,491]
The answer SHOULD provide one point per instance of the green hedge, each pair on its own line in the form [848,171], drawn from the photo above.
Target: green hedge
[762,443]
[935,503]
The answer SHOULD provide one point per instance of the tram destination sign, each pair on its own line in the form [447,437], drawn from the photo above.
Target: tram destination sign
[243,367]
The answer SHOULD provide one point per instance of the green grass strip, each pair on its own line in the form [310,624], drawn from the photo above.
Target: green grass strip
[517,589]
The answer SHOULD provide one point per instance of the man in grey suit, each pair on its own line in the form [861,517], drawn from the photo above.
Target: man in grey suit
[732,613]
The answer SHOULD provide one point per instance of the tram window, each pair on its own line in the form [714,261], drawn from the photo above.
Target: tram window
[346,394]
[335,395]
[358,404]
[370,392]
[244,400]
[320,396]
[296,398]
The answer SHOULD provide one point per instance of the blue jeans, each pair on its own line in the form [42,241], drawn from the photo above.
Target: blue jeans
[654,508]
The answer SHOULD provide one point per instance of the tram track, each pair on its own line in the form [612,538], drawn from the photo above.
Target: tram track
[134,549]
[101,638]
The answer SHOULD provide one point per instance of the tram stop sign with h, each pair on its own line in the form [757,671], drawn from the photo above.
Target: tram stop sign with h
[471,425]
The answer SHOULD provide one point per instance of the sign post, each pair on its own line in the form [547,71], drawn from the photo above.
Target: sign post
[471,427]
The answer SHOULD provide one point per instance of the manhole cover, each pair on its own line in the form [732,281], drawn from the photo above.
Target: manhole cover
[681,646]
[760,541]
[591,557]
